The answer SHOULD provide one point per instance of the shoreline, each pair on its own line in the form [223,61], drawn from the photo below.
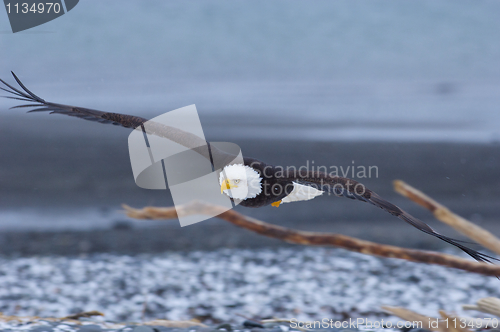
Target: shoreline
[64,178]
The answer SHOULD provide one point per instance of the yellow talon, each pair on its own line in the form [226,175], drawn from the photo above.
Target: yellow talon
[276,204]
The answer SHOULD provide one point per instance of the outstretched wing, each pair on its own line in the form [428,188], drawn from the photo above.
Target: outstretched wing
[40,105]
[179,136]
[352,189]
[337,185]
[420,225]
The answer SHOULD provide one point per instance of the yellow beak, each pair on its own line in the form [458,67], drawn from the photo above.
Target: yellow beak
[226,185]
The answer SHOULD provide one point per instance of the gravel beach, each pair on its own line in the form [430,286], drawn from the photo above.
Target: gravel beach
[223,285]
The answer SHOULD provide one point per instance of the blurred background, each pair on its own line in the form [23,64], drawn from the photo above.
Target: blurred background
[410,87]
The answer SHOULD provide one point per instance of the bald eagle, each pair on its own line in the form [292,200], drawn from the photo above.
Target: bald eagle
[254,182]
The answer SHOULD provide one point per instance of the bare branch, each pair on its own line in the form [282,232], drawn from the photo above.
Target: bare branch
[314,238]
[489,305]
[411,316]
[84,314]
[447,323]
[472,231]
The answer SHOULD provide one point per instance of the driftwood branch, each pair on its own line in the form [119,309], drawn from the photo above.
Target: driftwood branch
[472,231]
[447,323]
[314,238]
[489,305]
[85,314]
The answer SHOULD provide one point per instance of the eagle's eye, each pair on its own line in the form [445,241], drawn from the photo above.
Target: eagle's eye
[237,181]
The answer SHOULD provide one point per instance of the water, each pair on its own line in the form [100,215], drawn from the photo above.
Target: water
[376,70]
[261,40]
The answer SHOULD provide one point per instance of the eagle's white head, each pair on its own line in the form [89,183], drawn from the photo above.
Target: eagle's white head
[240,181]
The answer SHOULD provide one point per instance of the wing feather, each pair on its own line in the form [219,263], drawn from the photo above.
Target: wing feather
[128,121]
[354,190]
[179,136]
[420,225]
